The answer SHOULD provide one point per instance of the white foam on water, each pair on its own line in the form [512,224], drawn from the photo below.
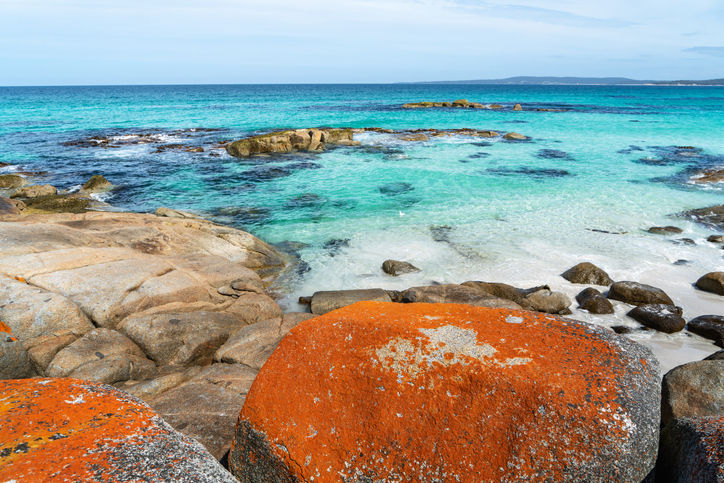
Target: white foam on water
[102,197]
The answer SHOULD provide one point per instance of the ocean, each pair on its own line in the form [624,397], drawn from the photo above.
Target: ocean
[593,176]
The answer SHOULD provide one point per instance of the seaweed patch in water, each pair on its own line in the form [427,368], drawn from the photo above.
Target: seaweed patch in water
[553,154]
[629,150]
[535,173]
[441,233]
[479,155]
[335,245]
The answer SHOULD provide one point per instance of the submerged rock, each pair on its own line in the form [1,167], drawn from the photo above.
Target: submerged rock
[70,430]
[587,273]
[712,215]
[377,390]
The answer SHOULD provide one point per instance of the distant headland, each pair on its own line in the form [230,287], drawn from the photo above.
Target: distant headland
[607,81]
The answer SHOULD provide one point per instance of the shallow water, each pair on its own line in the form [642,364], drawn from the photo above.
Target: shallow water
[585,187]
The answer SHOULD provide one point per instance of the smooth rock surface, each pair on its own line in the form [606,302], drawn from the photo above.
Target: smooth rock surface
[207,407]
[252,345]
[693,390]
[327,301]
[503,290]
[34,191]
[102,355]
[664,318]
[65,430]
[181,339]
[10,207]
[712,282]
[587,273]
[692,451]
[635,293]
[390,392]
[592,300]
[549,302]
[14,360]
[665,230]
[455,294]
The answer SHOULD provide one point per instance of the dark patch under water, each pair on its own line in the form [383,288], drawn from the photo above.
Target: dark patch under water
[394,189]
[335,245]
[482,144]
[307,200]
[553,154]
[629,150]
[479,155]
[441,233]
[536,173]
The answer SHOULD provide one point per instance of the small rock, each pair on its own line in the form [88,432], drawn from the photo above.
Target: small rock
[10,206]
[517,107]
[305,300]
[549,302]
[455,294]
[691,451]
[661,317]
[495,106]
[460,103]
[514,136]
[708,326]
[716,239]
[592,300]
[414,137]
[12,181]
[587,273]
[712,282]
[34,191]
[635,293]
[97,184]
[246,287]
[622,329]
[226,290]
[327,301]
[395,268]
[693,390]
[665,230]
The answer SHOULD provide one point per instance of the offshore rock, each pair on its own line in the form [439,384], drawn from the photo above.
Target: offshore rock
[635,293]
[692,451]
[708,326]
[389,392]
[97,184]
[327,301]
[455,294]
[287,141]
[692,390]
[514,136]
[70,430]
[396,267]
[587,273]
[12,181]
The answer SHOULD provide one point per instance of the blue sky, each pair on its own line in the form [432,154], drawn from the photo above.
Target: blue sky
[65,42]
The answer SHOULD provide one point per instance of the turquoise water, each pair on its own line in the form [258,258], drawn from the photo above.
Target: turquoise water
[458,207]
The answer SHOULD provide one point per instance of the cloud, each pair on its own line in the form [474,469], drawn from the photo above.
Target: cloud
[537,14]
[713,51]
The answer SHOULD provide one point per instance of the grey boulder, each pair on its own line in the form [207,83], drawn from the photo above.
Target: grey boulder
[661,317]
[692,390]
[635,293]
[587,273]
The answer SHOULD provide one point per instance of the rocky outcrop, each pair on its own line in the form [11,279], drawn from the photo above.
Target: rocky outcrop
[711,216]
[517,107]
[252,345]
[34,191]
[287,141]
[11,181]
[692,451]
[712,282]
[664,318]
[388,386]
[327,301]
[693,390]
[514,136]
[503,290]
[10,207]
[455,294]
[594,302]
[414,137]
[665,230]
[395,267]
[635,293]
[70,430]
[709,326]
[587,273]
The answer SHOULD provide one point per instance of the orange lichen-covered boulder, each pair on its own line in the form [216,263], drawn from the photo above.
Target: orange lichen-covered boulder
[71,430]
[382,392]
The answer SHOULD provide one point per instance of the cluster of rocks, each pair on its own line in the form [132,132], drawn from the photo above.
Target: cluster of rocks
[46,199]
[295,140]
[464,103]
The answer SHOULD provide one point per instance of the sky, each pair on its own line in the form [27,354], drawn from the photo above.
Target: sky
[99,42]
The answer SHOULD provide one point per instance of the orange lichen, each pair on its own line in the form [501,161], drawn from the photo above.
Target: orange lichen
[507,395]
[20,279]
[4,328]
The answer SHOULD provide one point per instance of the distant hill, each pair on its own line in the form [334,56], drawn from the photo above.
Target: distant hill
[606,81]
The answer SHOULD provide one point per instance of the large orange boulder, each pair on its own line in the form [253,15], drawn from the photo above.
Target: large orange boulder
[432,392]
[72,430]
